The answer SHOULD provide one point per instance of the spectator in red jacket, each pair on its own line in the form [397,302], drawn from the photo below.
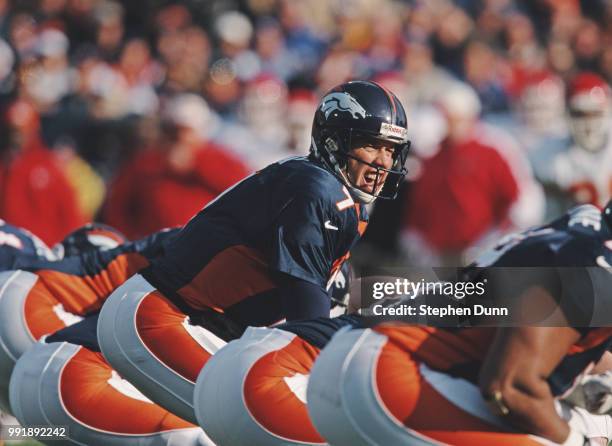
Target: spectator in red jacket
[477,185]
[34,190]
[166,186]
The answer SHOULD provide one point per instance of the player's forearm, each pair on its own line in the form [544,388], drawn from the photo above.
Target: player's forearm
[529,406]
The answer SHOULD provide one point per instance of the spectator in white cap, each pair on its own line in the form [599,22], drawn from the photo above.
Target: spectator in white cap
[52,78]
[235,33]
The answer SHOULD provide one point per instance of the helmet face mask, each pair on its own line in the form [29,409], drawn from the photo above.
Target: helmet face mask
[356,115]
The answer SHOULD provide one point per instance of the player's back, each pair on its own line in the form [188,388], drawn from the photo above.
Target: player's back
[82,282]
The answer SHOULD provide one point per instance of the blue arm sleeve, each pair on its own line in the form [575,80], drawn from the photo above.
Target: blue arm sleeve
[303,300]
[82,333]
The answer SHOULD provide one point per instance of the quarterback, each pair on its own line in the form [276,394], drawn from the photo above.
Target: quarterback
[267,249]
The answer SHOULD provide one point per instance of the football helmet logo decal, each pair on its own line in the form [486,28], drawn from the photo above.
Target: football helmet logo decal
[342,102]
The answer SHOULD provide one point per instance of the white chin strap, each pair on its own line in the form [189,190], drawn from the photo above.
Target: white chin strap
[360,195]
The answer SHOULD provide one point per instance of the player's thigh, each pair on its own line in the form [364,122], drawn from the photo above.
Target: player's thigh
[62,384]
[386,397]
[253,391]
[28,310]
[150,342]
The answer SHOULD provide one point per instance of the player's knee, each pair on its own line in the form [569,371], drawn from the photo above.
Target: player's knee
[262,378]
[65,384]
[15,335]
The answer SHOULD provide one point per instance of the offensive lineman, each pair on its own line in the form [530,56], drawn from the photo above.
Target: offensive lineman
[485,385]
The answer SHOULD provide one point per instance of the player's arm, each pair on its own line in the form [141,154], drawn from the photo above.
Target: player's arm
[301,255]
[514,375]
[303,300]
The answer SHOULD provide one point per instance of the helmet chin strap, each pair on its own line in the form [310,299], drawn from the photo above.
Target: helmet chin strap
[362,196]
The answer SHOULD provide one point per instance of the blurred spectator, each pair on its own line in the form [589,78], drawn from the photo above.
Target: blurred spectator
[425,79]
[223,89]
[261,135]
[109,33]
[35,192]
[301,108]
[99,74]
[386,46]
[583,172]
[186,53]
[485,72]
[476,185]
[22,35]
[140,75]
[4,17]
[7,76]
[51,78]
[165,186]
[272,52]
[235,33]
[451,37]
[588,45]
[304,39]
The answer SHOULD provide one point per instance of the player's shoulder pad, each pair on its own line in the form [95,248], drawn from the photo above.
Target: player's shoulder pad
[589,239]
[586,220]
[310,181]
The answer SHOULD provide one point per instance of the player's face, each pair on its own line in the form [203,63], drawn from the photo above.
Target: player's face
[367,156]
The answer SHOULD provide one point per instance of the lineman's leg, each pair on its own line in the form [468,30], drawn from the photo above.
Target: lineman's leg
[62,384]
[385,397]
[253,391]
[28,310]
[151,343]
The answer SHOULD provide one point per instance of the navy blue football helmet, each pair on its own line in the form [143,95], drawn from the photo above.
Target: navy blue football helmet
[351,112]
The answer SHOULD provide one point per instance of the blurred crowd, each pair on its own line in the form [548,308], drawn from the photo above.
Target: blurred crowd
[139,113]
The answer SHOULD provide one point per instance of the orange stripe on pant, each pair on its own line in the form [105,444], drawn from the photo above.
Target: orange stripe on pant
[160,326]
[77,294]
[270,400]
[413,402]
[40,319]
[83,294]
[90,399]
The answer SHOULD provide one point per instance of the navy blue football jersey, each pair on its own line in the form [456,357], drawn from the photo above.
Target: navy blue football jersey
[293,218]
[580,238]
[318,332]
[83,282]
[18,244]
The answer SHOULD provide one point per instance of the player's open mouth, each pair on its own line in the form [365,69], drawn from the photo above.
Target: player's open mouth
[371,181]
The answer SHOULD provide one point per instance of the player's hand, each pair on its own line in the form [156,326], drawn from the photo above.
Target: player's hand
[598,393]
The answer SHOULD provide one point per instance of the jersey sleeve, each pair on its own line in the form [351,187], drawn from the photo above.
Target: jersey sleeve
[586,282]
[301,246]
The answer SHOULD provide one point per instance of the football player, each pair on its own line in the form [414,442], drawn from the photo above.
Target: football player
[65,381]
[265,250]
[407,384]
[41,296]
[254,390]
